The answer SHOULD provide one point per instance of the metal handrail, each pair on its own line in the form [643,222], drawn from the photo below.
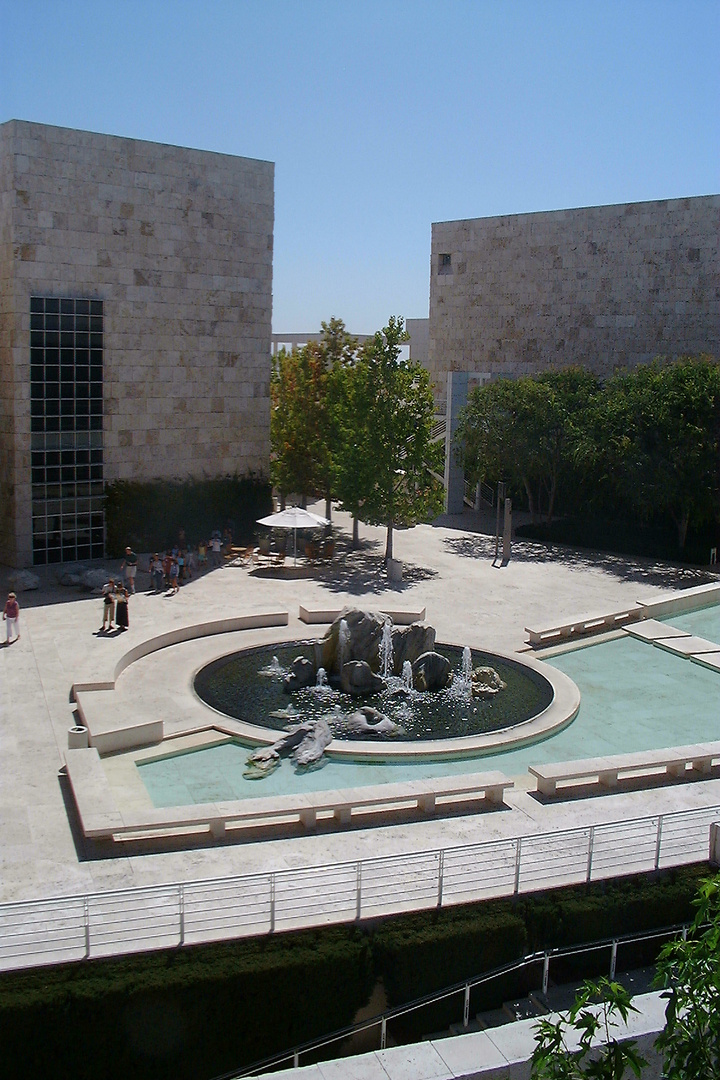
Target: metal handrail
[464,986]
[76,927]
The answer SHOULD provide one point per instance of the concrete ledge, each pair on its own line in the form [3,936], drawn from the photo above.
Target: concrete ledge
[499,1053]
[582,627]
[606,772]
[688,600]
[101,818]
[328,615]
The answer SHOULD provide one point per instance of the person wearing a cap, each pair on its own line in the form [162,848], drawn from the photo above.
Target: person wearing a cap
[11,617]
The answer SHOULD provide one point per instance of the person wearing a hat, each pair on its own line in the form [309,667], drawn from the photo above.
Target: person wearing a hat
[11,617]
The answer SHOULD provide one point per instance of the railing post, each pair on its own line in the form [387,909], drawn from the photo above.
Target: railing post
[613,960]
[272,903]
[441,871]
[518,850]
[466,1006]
[86,918]
[591,845]
[658,841]
[181,904]
[296,1059]
[383,1033]
[358,889]
[546,972]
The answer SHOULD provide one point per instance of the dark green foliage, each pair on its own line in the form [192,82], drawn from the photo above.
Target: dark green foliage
[626,537]
[190,1013]
[203,1011]
[149,515]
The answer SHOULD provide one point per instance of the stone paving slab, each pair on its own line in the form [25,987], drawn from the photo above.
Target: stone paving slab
[447,570]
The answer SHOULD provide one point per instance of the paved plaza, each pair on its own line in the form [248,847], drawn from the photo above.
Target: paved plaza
[448,570]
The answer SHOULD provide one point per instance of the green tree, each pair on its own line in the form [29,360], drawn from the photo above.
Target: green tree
[658,436]
[386,459]
[689,971]
[583,1043]
[303,418]
[527,431]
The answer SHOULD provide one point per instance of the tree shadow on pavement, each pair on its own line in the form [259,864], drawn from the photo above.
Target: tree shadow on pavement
[362,570]
[625,567]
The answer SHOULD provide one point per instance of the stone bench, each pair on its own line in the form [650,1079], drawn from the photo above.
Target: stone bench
[606,772]
[597,624]
[101,818]
[329,615]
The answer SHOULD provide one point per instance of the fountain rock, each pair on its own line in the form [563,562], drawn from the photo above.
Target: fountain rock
[357,677]
[486,682]
[312,748]
[301,675]
[370,721]
[410,642]
[431,671]
[364,634]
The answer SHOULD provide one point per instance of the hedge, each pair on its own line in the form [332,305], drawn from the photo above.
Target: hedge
[199,1012]
[149,515]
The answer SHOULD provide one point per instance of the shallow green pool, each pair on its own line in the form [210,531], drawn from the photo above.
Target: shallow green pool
[634,697]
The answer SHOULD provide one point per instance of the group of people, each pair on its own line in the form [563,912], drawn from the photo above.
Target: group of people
[115,606]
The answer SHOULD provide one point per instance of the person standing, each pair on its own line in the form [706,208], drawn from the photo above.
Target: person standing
[108,605]
[11,617]
[129,565]
[216,547]
[121,608]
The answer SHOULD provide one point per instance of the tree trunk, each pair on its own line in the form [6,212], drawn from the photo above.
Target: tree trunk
[682,523]
[531,501]
[328,507]
[551,501]
[303,502]
[356,531]
[389,543]
[282,500]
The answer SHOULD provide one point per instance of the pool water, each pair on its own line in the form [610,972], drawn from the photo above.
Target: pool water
[704,623]
[634,697]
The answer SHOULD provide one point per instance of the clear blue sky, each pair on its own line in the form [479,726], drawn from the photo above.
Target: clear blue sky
[383,117]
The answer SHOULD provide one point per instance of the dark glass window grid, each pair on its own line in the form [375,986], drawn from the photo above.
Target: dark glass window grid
[66,455]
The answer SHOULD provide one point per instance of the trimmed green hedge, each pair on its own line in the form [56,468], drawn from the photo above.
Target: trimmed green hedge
[626,538]
[196,1013]
[149,515]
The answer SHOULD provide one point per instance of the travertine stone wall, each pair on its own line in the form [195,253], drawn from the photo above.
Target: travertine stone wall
[178,245]
[604,287]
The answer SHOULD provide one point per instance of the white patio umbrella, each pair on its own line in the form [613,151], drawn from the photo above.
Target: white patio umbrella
[294,517]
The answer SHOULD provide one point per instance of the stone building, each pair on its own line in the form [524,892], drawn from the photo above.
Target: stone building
[603,286]
[135,324]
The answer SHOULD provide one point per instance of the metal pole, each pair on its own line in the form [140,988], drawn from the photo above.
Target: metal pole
[296,1059]
[181,903]
[591,845]
[466,1006]
[358,888]
[546,972]
[658,841]
[441,871]
[383,1033]
[613,960]
[86,917]
[518,849]
[272,903]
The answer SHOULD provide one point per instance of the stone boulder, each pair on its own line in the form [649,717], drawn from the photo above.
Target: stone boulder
[410,642]
[24,581]
[369,721]
[301,675]
[95,579]
[431,671]
[72,577]
[486,682]
[364,636]
[357,677]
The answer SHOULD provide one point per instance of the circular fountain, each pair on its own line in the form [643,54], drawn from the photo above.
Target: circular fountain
[371,690]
